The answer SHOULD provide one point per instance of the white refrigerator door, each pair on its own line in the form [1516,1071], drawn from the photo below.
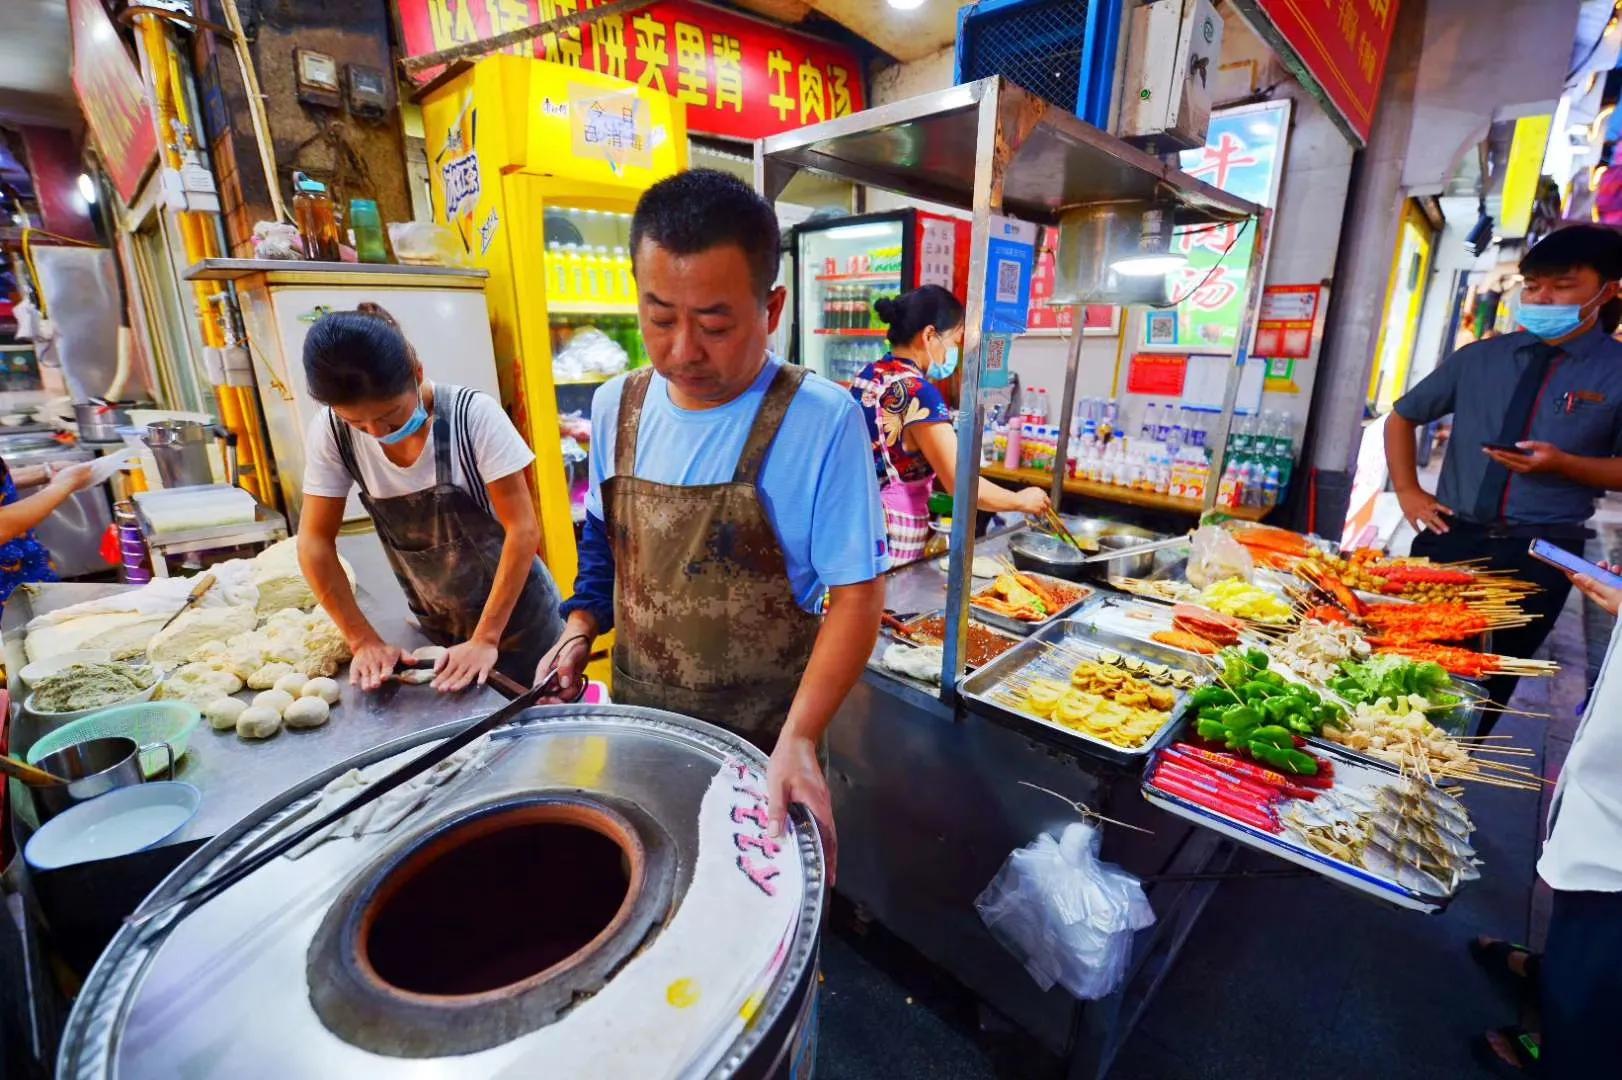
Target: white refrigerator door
[449,328]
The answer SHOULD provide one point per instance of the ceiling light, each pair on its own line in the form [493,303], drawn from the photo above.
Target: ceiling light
[906,5]
[870,231]
[87,188]
[1152,256]
[1149,265]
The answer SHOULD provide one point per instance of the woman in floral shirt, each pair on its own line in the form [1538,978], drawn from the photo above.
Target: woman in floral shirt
[910,423]
[22,557]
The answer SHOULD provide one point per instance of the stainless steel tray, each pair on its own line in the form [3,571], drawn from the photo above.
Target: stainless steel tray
[980,690]
[1351,770]
[1025,629]
[978,617]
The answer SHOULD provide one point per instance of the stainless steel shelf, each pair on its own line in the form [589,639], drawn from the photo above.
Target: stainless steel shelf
[928,147]
[295,270]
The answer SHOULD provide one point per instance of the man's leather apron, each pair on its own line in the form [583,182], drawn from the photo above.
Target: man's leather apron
[705,618]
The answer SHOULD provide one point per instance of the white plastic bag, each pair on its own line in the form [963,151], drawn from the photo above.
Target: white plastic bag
[589,354]
[1066,916]
[1217,556]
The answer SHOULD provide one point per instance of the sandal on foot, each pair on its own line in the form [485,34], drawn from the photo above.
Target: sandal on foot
[1517,1041]
[1495,954]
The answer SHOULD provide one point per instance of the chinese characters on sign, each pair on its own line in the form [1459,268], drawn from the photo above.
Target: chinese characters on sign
[1242,155]
[757,852]
[736,76]
[1343,45]
[1284,327]
[112,96]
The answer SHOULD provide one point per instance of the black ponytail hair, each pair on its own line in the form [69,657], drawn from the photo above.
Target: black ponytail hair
[358,356]
[908,314]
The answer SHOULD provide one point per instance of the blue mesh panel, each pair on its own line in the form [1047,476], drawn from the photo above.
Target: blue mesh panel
[1037,46]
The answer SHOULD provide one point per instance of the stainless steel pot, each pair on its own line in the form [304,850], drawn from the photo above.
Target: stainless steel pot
[180,449]
[1043,554]
[99,421]
[92,768]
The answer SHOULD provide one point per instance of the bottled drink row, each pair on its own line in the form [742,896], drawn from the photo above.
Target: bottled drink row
[844,360]
[1167,455]
[583,274]
[850,307]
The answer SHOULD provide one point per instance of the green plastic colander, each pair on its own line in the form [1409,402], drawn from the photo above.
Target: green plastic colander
[146,722]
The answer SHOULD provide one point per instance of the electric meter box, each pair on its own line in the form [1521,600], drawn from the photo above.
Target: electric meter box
[1174,52]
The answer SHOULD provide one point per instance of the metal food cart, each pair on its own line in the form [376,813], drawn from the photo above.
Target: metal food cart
[927,790]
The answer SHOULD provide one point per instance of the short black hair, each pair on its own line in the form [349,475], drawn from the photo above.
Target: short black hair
[908,314]
[701,209]
[1595,246]
[358,356]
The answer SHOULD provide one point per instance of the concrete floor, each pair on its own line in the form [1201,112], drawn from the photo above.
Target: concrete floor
[1289,978]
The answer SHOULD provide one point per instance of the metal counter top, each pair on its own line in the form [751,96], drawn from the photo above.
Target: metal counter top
[236,775]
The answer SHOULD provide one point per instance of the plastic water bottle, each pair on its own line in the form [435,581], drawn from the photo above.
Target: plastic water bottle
[1015,443]
[1178,432]
[1270,486]
[1150,426]
[1163,426]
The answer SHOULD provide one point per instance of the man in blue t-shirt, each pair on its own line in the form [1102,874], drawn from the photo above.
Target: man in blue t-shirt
[734,537]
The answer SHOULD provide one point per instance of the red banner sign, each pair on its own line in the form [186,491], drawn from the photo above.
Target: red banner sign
[1343,44]
[112,97]
[1157,374]
[737,76]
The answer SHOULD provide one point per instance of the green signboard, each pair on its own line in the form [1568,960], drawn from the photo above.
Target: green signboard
[1243,155]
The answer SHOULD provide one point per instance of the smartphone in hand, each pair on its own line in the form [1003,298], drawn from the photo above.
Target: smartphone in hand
[1558,556]
[1507,448]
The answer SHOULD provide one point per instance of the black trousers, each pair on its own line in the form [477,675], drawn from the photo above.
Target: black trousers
[1465,541]
[1579,985]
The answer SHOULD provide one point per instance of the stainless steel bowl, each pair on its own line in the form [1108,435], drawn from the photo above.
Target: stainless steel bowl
[1131,565]
[1045,554]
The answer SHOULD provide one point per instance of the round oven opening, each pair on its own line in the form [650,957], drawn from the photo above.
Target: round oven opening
[499,901]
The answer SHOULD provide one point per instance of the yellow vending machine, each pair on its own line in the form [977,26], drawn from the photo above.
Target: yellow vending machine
[536,168]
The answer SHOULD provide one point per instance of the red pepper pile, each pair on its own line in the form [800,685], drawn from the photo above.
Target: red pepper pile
[1241,790]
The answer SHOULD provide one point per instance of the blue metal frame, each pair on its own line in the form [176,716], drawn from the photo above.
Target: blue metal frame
[1095,86]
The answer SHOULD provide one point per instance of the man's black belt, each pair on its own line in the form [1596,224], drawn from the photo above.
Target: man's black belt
[1508,530]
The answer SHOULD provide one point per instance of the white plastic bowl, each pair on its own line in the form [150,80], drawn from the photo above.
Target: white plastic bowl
[121,822]
[39,669]
[64,717]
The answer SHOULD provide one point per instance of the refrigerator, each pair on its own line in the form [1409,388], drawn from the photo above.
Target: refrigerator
[843,265]
[535,169]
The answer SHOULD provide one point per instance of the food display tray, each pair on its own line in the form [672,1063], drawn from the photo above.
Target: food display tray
[1130,617]
[1090,595]
[1350,770]
[1012,639]
[979,690]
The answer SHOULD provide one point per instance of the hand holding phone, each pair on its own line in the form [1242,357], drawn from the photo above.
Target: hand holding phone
[1559,557]
[1506,448]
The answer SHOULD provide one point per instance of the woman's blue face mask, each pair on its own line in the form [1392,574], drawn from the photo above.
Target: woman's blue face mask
[419,417]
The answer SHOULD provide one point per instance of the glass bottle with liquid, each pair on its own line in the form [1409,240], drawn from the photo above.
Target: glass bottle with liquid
[317,223]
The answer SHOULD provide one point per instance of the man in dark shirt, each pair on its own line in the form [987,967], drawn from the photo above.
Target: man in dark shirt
[1553,390]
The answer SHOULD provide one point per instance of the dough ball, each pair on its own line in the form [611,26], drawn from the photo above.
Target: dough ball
[275,700]
[265,677]
[223,713]
[430,653]
[321,687]
[421,676]
[258,723]
[293,682]
[306,712]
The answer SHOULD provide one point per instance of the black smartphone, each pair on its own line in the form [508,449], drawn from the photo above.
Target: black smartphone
[1555,555]
[1508,448]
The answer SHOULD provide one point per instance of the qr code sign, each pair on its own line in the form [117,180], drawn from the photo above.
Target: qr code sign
[1007,281]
